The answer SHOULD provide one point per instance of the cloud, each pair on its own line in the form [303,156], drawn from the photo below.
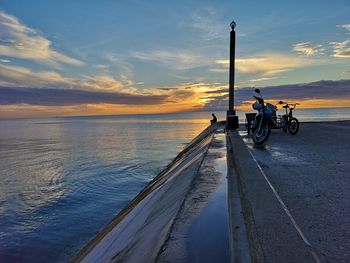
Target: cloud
[207,22]
[14,76]
[324,89]
[217,91]
[207,28]
[320,90]
[308,49]
[37,87]
[196,94]
[175,59]
[187,96]
[104,83]
[49,88]
[120,62]
[21,76]
[341,49]
[346,26]
[20,41]
[5,60]
[267,64]
[68,97]
[219,70]
[101,66]
[224,62]
[262,79]
[45,101]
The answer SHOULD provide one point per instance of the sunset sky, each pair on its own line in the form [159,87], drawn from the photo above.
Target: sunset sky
[84,57]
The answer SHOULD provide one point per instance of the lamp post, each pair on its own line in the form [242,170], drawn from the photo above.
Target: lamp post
[231,118]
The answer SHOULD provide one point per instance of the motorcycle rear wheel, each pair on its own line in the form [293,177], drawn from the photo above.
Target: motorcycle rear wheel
[262,134]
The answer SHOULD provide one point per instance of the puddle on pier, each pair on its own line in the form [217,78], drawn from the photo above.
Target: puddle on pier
[208,239]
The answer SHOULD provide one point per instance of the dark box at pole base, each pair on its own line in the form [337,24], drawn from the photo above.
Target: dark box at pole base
[231,120]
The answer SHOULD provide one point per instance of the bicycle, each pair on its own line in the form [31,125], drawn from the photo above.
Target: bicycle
[287,120]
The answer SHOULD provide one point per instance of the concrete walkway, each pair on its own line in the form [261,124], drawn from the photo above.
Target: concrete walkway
[295,193]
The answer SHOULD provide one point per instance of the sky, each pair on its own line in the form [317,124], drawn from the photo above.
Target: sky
[84,57]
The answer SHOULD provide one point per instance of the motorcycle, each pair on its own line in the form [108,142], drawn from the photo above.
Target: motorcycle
[267,119]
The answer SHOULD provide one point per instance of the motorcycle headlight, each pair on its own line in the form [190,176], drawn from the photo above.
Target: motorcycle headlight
[257,106]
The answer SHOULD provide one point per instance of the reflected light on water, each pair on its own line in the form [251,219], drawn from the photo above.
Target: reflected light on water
[63,179]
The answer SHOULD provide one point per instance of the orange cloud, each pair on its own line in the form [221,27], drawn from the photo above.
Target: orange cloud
[191,97]
[267,63]
[185,97]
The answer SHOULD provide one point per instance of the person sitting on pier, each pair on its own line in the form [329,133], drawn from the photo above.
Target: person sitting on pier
[214,119]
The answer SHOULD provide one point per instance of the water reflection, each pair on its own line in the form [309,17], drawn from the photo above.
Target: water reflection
[63,179]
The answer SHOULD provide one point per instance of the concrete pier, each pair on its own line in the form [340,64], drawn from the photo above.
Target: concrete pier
[222,199]
[295,192]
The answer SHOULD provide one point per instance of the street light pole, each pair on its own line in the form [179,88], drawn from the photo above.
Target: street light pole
[232,119]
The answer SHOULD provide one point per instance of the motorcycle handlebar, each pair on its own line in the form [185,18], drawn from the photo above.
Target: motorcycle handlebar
[260,100]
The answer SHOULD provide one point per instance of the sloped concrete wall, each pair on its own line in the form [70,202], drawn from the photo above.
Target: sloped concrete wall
[137,233]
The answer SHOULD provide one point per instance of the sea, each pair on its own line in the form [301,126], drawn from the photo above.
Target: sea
[62,179]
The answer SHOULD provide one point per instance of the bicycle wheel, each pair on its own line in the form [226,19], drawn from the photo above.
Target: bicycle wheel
[293,126]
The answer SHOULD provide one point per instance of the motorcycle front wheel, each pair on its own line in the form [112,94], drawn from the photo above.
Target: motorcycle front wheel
[293,126]
[262,134]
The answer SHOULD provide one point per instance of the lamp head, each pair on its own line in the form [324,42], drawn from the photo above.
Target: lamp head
[233,25]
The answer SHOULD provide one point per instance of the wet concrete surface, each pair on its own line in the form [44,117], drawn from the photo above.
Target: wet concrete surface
[208,239]
[200,230]
[311,174]
[210,225]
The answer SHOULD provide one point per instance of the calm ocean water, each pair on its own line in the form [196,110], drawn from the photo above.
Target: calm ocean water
[63,179]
